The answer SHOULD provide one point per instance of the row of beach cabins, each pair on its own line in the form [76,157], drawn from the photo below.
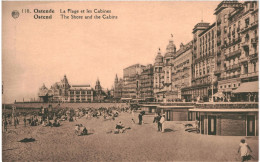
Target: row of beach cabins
[221,118]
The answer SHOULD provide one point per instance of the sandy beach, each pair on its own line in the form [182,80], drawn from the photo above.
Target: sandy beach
[140,143]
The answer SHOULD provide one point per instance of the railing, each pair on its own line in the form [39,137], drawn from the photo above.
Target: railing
[232,67]
[227,105]
[233,53]
[229,77]
[254,23]
[249,75]
[217,71]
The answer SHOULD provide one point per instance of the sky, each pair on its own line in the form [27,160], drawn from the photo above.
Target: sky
[37,51]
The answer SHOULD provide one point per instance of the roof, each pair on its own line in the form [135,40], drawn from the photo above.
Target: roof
[175,107]
[224,110]
[247,87]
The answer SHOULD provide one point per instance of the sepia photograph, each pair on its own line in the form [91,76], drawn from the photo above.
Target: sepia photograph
[130,80]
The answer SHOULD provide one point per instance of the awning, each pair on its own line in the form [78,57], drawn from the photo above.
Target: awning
[247,87]
[219,94]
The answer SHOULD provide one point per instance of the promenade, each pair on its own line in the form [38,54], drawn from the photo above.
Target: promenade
[140,143]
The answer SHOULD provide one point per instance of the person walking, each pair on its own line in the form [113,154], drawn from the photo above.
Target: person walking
[243,149]
[162,122]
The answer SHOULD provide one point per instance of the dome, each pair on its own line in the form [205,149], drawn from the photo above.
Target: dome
[159,58]
[171,48]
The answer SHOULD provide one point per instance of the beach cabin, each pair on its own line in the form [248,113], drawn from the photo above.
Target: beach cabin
[175,111]
[227,119]
[149,108]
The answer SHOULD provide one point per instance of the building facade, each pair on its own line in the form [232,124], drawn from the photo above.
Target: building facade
[131,79]
[63,92]
[181,70]
[146,78]
[238,25]
[81,93]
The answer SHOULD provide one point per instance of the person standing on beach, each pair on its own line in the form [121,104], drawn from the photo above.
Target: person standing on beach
[243,148]
[24,120]
[162,122]
[157,120]
[133,116]
[140,117]
[5,125]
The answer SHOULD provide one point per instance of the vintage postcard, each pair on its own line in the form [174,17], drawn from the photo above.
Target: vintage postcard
[130,81]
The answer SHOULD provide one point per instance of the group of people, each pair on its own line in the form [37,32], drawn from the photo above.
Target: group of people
[160,120]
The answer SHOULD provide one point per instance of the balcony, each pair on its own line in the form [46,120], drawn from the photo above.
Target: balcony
[243,59]
[229,77]
[249,75]
[245,28]
[232,54]
[217,71]
[255,23]
[232,67]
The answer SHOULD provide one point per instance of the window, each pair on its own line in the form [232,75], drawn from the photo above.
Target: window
[234,85]
[225,18]
[247,22]
[225,86]
[238,45]
[220,87]
[229,86]
[225,29]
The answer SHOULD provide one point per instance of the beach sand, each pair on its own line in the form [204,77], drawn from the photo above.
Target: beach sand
[140,143]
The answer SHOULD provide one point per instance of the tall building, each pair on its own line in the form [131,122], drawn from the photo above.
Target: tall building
[172,72]
[131,77]
[146,78]
[237,69]
[181,73]
[158,76]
